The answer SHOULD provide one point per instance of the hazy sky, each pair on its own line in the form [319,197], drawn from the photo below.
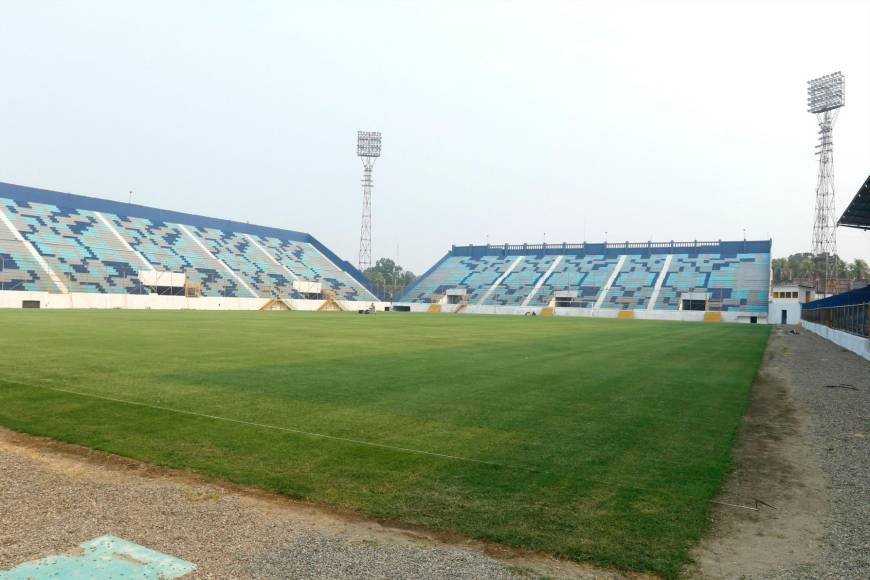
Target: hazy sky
[501,120]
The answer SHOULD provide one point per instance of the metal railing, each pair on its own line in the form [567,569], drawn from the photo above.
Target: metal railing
[606,245]
[852,318]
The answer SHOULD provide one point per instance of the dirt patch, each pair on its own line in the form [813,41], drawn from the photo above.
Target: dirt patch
[774,464]
[54,496]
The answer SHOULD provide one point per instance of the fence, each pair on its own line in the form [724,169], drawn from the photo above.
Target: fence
[852,318]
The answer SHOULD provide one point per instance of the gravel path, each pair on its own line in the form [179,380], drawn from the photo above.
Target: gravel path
[839,432]
[54,497]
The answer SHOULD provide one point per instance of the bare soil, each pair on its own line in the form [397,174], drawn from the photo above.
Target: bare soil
[54,496]
[774,464]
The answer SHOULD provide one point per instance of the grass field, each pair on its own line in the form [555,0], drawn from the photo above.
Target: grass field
[599,440]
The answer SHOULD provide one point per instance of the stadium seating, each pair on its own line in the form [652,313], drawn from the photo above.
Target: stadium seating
[78,247]
[18,268]
[584,274]
[249,262]
[169,249]
[517,285]
[472,273]
[307,263]
[734,282]
[635,282]
[724,276]
[56,242]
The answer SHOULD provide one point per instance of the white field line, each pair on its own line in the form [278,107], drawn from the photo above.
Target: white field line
[541,281]
[121,239]
[499,280]
[208,253]
[336,438]
[610,282]
[284,429]
[659,281]
[270,256]
[36,256]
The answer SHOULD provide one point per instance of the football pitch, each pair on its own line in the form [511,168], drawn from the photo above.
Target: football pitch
[596,440]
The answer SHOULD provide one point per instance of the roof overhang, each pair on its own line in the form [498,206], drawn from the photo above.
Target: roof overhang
[857,215]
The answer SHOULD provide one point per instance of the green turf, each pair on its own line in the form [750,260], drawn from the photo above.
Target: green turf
[606,438]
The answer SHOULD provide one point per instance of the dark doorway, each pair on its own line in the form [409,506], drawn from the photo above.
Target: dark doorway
[694,304]
[785,316]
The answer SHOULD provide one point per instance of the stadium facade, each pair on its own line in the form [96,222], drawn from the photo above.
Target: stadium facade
[70,251]
[722,280]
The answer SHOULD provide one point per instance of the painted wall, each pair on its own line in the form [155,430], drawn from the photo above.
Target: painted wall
[792,307]
[678,315]
[857,344]
[14,299]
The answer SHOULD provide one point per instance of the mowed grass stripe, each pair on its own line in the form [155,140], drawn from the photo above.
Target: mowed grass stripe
[627,424]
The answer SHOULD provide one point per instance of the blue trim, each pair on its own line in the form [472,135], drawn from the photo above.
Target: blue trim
[70,200]
[851,298]
[419,279]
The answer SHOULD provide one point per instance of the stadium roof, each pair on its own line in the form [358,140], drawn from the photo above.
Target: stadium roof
[857,215]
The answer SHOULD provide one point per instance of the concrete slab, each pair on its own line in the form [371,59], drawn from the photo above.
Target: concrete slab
[103,558]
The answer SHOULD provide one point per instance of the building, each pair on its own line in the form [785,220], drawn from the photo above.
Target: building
[722,280]
[786,301]
[69,251]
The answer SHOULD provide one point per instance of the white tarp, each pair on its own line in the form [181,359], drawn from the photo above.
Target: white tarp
[165,279]
[307,287]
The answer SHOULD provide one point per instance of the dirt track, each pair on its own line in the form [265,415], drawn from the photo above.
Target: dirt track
[54,496]
[803,450]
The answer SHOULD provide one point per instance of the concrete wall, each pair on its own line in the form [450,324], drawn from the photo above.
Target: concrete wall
[680,315]
[14,299]
[857,344]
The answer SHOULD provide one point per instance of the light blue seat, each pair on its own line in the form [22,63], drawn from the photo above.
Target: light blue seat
[77,246]
[308,264]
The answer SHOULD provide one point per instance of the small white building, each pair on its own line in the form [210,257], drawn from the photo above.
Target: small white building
[785,302]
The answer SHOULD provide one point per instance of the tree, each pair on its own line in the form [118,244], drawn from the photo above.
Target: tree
[388,277]
[859,270]
[805,266]
[782,271]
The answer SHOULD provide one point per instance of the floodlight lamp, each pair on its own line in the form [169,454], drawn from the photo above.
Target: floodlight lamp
[826,93]
[368,143]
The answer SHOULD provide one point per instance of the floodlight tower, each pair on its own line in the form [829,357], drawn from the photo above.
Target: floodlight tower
[825,96]
[368,148]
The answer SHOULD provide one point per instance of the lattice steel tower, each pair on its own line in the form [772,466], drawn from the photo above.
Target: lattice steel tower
[368,148]
[825,96]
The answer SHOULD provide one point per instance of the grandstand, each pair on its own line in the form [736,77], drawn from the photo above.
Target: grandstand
[721,280]
[65,250]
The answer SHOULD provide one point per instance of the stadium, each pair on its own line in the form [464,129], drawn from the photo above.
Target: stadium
[70,251]
[188,394]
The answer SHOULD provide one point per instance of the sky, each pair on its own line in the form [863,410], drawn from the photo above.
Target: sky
[502,121]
